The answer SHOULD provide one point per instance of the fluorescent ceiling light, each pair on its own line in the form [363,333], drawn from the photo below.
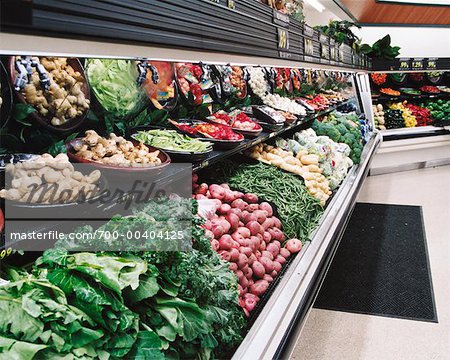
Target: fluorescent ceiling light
[316,5]
[419,2]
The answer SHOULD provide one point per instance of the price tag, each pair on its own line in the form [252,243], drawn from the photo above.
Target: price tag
[284,55]
[417,64]
[5,252]
[341,54]
[431,64]
[283,39]
[231,4]
[405,64]
[309,47]
[323,39]
[325,52]
[308,31]
[332,53]
[280,19]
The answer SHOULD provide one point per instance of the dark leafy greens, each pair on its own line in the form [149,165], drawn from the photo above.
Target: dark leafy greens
[115,305]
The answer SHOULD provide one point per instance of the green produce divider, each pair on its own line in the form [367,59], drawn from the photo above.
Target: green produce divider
[248,28]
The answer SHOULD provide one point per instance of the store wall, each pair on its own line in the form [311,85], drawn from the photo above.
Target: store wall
[414,41]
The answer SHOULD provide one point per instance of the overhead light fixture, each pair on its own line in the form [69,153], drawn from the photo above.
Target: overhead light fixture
[316,5]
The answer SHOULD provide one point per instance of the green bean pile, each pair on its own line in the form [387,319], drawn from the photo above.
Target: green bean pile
[299,212]
[172,140]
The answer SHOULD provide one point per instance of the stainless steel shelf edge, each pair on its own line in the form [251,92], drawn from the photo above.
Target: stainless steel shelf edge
[276,320]
[413,131]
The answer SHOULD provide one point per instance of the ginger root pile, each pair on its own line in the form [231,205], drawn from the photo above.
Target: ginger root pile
[49,180]
[64,100]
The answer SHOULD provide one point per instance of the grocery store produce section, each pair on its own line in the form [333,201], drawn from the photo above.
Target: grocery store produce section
[276,154]
[271,149]
[411,99]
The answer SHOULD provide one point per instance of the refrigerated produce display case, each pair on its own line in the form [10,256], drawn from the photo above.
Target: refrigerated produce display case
[274,122]
[410,104]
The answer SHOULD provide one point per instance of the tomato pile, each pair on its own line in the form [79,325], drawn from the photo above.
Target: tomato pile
[430,89]
[379,78]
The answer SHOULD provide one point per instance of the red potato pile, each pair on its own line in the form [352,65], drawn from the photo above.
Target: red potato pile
[245,233]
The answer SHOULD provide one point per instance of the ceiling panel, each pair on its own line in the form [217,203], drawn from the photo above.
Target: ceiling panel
[374,12]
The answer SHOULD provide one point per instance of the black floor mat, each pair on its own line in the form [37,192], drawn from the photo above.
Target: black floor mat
[381,266]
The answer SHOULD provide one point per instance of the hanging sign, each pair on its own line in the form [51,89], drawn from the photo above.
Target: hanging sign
[283,39]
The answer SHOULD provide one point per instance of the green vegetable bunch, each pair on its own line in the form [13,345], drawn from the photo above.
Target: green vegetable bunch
[113,82]
[37,320]
[133,305]
[342,129]
[172,140]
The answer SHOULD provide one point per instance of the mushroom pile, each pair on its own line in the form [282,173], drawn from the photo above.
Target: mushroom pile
[49,180]
[115,150]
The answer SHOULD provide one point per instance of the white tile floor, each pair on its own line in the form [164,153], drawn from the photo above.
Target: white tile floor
[332,335]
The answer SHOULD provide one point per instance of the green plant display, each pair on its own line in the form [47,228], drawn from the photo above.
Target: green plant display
[381,49]
[341,32]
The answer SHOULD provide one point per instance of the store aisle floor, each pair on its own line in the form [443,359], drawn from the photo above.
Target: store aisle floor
[333,335]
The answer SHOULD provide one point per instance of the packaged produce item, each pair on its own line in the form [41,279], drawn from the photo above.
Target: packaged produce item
[64,99]
[159,83]
[238,82]
[195,82]
[260,88]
